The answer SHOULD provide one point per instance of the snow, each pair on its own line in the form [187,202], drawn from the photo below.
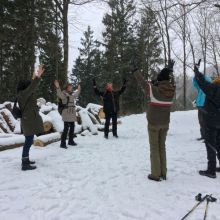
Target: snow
[10,139]
[107,179]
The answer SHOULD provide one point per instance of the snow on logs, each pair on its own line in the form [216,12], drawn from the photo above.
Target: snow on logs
[89,122]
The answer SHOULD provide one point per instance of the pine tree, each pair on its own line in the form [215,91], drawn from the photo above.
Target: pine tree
[87,66]
[149,44]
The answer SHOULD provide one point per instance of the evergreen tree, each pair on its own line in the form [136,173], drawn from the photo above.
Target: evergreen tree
[87,66]
[149,44]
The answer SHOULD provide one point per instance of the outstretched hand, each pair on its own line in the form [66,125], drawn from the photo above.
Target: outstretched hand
[196,69]
[57,84]
[79,88]
[41,70]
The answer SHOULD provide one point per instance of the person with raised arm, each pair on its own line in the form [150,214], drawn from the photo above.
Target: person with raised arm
[68,112]
[31,121]
[110,105]
[159,97]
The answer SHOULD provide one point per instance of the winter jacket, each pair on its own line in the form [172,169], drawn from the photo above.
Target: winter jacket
[110,100]
[31,121]
[69,112]
[212,103]
[159,98]
[200,99]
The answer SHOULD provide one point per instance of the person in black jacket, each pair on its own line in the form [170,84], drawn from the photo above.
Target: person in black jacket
[111,105]
[212,121]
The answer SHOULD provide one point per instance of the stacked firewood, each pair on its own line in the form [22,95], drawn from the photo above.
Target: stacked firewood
[89,121]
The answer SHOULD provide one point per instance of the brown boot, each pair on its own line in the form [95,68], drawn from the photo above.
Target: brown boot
[154,178]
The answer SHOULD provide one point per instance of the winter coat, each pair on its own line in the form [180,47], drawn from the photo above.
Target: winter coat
[159,98]
[212,103]
[110,100]
[69,112]
[31,121]
[200,99]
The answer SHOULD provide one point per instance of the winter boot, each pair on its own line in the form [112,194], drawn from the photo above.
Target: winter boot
[154,178]
[207,173]
[72,143]
[26,165]
[31,161]
[163,177]
[218,169]
[106,136]
[63,145]
[115,135]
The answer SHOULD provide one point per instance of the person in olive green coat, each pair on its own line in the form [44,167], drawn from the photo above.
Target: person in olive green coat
[160,97]
[31,121]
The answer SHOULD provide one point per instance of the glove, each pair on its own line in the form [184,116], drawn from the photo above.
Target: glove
[94,82]
[196,69]
[171,64]
[124,81]
[134,64]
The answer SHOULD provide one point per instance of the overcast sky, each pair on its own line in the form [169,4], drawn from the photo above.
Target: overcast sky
[79,19]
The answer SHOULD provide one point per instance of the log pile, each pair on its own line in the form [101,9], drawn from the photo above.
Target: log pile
[89,122]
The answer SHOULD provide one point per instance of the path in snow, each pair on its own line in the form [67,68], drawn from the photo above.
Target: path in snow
[107,179]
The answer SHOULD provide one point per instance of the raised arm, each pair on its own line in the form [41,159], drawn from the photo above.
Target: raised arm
[142,82]
[96,90]
[208,88]
[123,88]
[78,91]
[34,83]
[134,66]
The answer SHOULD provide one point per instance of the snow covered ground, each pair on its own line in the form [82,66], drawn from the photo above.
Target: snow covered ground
[107,179]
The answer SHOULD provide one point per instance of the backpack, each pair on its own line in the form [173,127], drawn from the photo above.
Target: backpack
[62,106]
[16,111]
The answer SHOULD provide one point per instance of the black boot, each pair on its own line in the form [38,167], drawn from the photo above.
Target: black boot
[72,143]
[218,169]
[31,161]
[207,173]
[26,165]
[154,178]
[106,136]
[115,135]
[63,145]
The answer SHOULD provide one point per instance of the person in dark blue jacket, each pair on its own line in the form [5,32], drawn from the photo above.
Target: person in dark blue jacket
[212,122]
[200,101]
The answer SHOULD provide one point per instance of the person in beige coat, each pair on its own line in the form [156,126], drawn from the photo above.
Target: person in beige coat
[68,113]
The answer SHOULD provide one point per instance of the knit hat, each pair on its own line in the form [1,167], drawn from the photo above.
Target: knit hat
[217,80]
[164,74]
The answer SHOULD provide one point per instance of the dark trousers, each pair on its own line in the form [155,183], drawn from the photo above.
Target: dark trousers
[108,118]
[212,141]
[68,127]
[27,145]
[201,122]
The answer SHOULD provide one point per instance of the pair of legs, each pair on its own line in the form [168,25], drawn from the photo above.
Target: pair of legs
[157,139]
[26,163]
[68,128]
[201,122]
[114,118]
[212,141]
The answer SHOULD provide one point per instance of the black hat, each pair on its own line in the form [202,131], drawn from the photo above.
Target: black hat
[164,74]
[22,85]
